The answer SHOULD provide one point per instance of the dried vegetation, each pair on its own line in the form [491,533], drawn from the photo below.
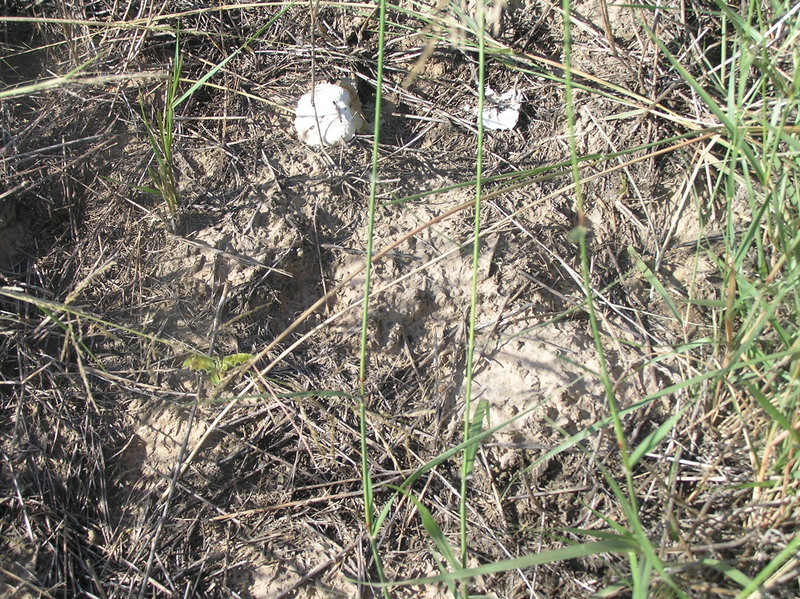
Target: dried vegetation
[126,474]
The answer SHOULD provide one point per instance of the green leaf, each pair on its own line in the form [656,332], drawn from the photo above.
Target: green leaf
[199,362]
[235,360]
[706,303]
[577,234]
[215,367]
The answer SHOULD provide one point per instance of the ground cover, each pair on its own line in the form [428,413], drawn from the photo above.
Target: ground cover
[586,387]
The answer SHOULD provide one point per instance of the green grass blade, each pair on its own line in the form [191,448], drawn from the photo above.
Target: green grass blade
[656,284]
[466,467]
[44,305]
[774,413]
[432,528]
[783,556]
[481,413]
[652,440]
[709,101]
[620,546]
[443,457]
[735,575]
[366,477]
[214,70]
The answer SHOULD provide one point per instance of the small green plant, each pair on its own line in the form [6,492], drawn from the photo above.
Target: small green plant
[215,368]
[160,134]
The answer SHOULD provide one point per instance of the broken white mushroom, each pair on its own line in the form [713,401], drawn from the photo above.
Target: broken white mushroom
[501,111]
[328,116]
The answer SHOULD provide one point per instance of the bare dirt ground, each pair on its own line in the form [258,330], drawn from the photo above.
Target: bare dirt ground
[124,474]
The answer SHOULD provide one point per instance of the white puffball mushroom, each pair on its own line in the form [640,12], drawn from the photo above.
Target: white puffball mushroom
[327,116]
